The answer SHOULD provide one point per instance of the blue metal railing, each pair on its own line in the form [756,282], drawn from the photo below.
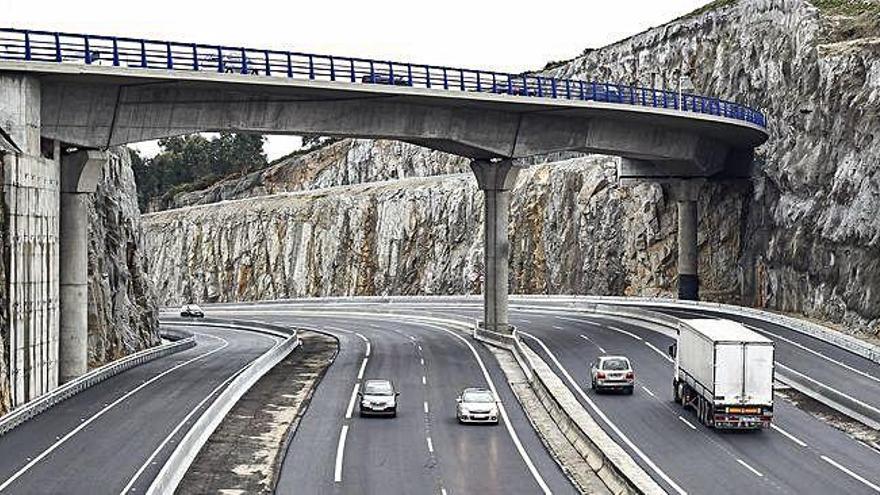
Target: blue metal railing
[43,46]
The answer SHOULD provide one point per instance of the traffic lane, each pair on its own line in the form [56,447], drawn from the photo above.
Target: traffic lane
[479,458]
[391,454]
[102,456]
[691,462]
[823,352]
[309,461]
[544,463]
[31,438]
[782,464]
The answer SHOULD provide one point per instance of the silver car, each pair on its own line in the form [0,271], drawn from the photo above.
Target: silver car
[477,405]
[191,311]
[378,397]
[612,373]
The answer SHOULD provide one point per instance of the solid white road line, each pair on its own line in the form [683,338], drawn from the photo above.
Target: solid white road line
[180,425]
[847,471]
[750,468]
[340,452]
[366,342]
[363,368]
[687,423]
[789,435]
[651,464]
[105,410]
[658,351]
[350,409]
[620,330]
[430,445]
[648,391]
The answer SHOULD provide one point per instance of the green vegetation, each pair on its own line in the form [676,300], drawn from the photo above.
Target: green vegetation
[848,7]
[188,163]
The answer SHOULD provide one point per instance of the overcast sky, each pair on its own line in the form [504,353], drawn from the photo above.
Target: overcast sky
[505,36]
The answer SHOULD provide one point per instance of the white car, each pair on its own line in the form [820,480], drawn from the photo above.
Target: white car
[477,405]
[191,311]
[378,397]
[612,373]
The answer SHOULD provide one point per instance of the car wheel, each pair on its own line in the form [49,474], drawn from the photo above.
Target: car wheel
[394,413]
[593,384]
[629,391]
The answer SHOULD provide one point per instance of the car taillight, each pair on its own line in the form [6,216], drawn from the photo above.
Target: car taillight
[600,375]
[630,375]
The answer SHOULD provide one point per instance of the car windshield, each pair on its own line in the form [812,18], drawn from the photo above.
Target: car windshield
[478,396]
[615,364]
[378,388]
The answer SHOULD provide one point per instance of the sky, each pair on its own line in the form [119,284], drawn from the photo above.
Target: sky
[509,36]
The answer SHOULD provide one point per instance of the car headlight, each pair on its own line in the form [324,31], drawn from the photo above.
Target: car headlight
[464,410]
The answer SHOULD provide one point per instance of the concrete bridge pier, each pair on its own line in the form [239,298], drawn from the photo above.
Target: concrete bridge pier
[687,193]
[496,179]
[80,173]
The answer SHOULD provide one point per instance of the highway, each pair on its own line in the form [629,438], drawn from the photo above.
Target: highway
[115,436]
[423,449]
[801,454]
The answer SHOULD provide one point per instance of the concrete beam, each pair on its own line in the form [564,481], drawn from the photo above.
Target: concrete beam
[496,179]
[80,173]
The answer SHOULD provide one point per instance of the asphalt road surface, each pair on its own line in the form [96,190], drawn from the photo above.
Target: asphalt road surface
[114,437]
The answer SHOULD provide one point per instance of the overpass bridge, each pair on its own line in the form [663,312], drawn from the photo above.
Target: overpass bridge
[65,96]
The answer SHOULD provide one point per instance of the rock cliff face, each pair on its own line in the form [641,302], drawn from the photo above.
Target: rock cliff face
[350,161]
[123,309]
[801,236]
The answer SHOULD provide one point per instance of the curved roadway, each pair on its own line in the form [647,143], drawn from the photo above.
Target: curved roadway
[801,454]
[115,436]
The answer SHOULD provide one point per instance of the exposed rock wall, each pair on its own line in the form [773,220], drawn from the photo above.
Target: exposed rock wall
[803,235]
[812,232]
[349,161]
[573,232]
[123,309]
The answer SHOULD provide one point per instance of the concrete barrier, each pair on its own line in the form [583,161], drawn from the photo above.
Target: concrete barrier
[181,459]
[180,341]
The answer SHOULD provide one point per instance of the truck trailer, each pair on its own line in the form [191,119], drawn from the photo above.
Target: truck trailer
[724,371]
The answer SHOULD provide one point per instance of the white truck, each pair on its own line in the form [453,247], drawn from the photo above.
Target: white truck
[724,371]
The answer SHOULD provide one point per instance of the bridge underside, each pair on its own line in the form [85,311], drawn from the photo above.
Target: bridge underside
[101,114]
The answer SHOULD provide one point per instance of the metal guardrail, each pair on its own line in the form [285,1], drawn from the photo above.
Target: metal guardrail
[70,48]
[179,461]
[182,340]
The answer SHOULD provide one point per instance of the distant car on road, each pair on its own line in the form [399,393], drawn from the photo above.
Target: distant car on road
[378,397]
[612,373]
[477,405]
[191,311]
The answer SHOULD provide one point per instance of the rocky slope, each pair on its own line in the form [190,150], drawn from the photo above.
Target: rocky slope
[349,161]
[123,308]
[801,236]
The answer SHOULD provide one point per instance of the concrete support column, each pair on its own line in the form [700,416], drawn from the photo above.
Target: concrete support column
[80,173]
[687,193]
[496,179]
